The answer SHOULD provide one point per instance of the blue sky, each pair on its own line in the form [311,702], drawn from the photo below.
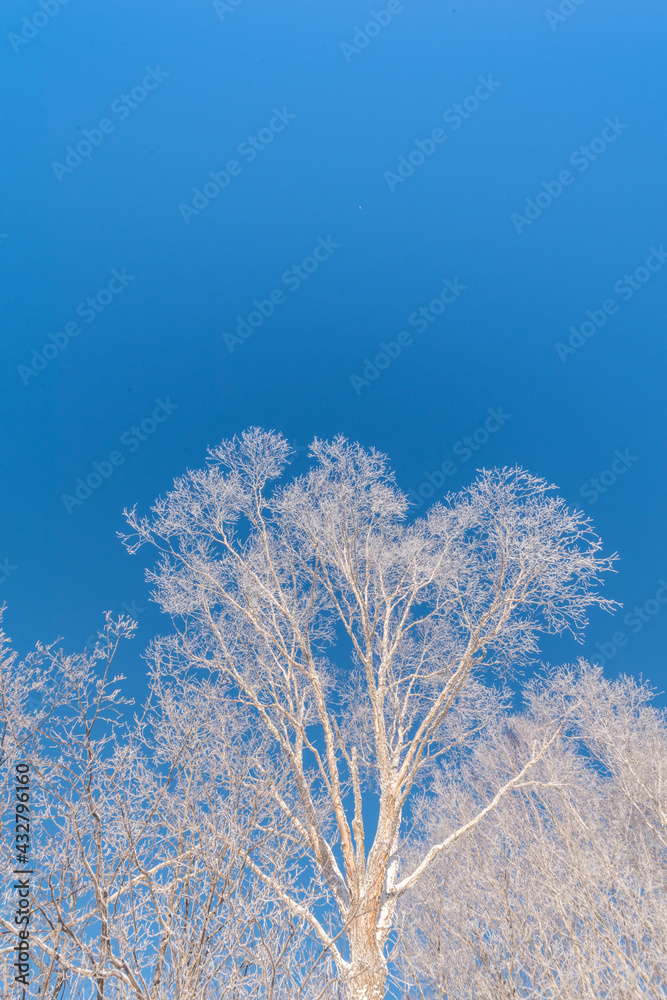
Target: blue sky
[362,161]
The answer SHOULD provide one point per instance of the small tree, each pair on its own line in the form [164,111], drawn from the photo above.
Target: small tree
[560,892]
[141,836]
[354,641]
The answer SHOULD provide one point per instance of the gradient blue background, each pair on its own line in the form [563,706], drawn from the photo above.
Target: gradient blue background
[324,176]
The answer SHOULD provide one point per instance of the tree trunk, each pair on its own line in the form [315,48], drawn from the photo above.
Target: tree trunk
[365,982]
[368,973]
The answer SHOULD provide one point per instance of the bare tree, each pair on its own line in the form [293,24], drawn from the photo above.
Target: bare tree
[141,836]
[355,642]
[560,893]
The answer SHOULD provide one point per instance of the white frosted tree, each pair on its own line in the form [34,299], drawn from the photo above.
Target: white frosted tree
[561,892]
[141,835]
[355,640]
